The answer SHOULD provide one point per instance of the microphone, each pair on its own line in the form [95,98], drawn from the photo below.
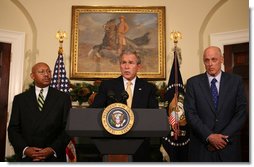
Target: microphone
[111,96]
[124,97]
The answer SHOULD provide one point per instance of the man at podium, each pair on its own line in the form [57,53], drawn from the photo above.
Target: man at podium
[130,90]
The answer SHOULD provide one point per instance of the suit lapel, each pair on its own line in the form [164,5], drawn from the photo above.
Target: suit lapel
[205,88]
[137,95]
[32,100]
[118,87]
[120,83]
[33,109]
[222,91]
[50,99]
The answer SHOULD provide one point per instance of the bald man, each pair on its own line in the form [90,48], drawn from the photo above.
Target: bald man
[37,128]
[215,108]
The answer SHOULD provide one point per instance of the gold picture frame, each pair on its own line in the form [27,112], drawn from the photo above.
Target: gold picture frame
[94,41]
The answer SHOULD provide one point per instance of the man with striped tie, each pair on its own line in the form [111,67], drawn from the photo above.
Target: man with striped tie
[38,119]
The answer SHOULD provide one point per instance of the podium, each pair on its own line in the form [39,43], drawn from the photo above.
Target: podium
[86,122]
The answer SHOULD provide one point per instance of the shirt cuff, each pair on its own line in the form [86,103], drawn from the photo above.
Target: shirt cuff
[23,153]
[53,152]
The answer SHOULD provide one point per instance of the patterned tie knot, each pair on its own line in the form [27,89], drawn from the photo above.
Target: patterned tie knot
[40,100]
[214,80]
[214,92]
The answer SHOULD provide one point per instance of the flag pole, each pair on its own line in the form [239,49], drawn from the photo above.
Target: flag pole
[60,35]
[62,83]
[175,143]
[175,36]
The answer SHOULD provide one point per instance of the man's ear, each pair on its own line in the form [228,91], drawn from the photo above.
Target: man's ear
[32,76]
[139,67]
[222,60]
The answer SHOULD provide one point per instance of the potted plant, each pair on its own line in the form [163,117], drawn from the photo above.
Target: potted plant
[84,92]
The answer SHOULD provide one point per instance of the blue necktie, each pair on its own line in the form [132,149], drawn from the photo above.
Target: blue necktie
[214,92]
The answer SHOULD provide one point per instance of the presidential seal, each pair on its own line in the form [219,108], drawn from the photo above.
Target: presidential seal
[117,118]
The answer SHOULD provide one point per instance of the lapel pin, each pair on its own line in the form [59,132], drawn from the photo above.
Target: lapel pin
[139,88]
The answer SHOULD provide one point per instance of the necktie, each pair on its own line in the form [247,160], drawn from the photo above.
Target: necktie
[214,92]
[40,100]
[128,89]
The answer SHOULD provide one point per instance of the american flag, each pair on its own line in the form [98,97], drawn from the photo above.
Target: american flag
[61,82]
[173,118]
[175,88]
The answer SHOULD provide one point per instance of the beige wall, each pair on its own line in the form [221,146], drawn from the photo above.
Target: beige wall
[195,19]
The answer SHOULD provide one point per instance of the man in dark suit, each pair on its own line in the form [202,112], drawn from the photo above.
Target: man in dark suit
[215,113]
[37,129]
[143,93]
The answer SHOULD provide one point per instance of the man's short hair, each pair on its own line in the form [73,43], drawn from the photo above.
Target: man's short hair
[128,52]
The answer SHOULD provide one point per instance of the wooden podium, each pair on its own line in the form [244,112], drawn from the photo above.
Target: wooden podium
[86,122]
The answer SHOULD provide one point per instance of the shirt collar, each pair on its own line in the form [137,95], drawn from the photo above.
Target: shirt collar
[44,89]
[218,77]
[132,81]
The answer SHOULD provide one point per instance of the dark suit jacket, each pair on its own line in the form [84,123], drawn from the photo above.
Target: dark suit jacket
[204,120]
[30,127]
[144,96]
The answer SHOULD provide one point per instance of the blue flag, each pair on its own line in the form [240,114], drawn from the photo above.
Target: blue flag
[176,142]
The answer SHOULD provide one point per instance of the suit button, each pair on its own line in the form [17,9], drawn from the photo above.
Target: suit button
[216,120]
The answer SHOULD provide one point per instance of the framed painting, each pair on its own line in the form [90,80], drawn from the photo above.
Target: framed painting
[98,39]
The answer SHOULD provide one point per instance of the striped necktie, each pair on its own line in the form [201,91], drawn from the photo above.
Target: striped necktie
[128,89]
[40,100]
